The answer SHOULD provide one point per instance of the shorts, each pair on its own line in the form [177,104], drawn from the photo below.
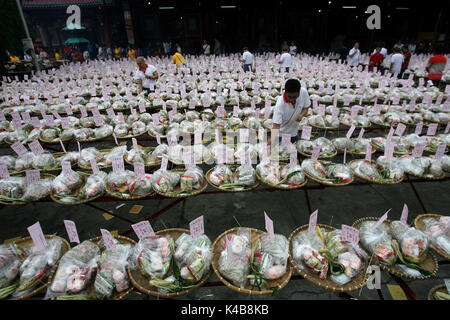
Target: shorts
[147,91]
[247,67]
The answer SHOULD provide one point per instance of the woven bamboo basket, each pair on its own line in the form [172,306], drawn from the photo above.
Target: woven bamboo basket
[442,176]
[383,125]
[440,288]
[372,181]
[41,139]
[327,183]
[341,151]
[121,196]
[43,176]
[177,189]
[208,174]
[91,290]
[306,155]
[381,149]
[429,263]
[142,283]
[56,167]
[94,139]
[129,136]
[103,152]
[84,177]
[218,247]
[358,127]
[283,186]
[27,243]
[153,136]
[419,225]
[146,149]
[356,283]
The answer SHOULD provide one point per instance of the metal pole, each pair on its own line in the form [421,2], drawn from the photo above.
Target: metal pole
[36,64]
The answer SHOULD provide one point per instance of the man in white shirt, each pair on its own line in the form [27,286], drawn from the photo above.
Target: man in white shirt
[206,48]
[289,110]
[285,60]
[353,56]
[247,59]
[146,76]
[293,49]
[396,62]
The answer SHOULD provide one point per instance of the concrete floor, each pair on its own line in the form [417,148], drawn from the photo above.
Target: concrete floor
[287,209]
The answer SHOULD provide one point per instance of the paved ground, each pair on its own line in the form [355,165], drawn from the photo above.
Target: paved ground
[288,210]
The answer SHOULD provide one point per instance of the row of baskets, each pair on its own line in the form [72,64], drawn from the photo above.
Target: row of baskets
[142,284]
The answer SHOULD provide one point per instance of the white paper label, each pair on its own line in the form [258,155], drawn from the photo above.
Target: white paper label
[269,227]
[313,221]
[350,234]
[71,231]
[196,227]
[108,240]
[143,229]
[38,237]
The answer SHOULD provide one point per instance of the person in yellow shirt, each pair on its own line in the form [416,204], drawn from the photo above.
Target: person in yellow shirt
[117,53]
[131,53]
[178,59]
[57,56]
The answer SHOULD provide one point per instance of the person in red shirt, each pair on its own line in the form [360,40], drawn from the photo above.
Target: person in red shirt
[376,59]
[405,64]
[436,66]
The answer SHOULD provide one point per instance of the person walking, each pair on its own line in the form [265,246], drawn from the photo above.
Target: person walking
[293,49]
[397,60]
[247,59]
[407,57]
[285,60]
[217,46]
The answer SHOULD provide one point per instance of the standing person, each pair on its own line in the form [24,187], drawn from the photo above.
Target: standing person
[67,50]
[284,46]
[407,57]
[86,55]
[206,48]
[293,49]
[91,50]
[117,53]
[100,53]
[436,66]
[353,55]
[398,45]
[109,53]
[146,76]
[217,47]
[420,48]
[178,59]
[57,55]
[131,53]
[247,59]
[166,46]
[285,60]
[289,110]
[397,60]
[412,47]
[383,50]
[376,59]
[178,47]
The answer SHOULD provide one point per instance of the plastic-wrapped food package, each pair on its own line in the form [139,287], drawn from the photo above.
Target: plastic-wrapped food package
[165,181]
[389,168]
[51,134]
[342,143]
[37,266]
[11,258]
[84,134]
[88,154]
[176,152]
[138,127]
[234,265]
[38,191]
[315,168]
[72,157]
[117,152]
[218,148]
[378,242]
[87,122]
[120,182]
[137,156]
[193,257]
[201,153]
[95,184]
[207,114]
[111,273]
[160,150]
[243,148]
[12,187]
[75,270]
[366,169]
[438,233]
[269,171]
[350,256]
[244,175]
[413,243]
[152,256]
[140,186]
[192,180]
[187,126]
[292,175]
[145,118]
[121,130]
[272,259]
[103,131]
[44,160]
[253,123]
[445,163]
[306,247]
[233,124]
[65,184]
[221,174]
[9,161]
